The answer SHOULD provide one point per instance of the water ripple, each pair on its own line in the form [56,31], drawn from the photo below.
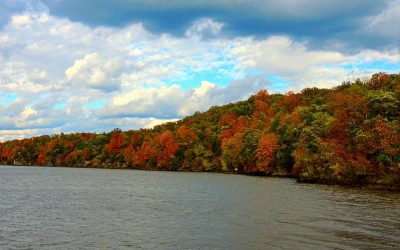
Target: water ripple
[61,208]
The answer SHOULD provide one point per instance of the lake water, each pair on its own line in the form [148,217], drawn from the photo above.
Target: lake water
[65,208]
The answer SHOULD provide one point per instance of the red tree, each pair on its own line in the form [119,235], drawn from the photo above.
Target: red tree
[144,154]
[291,101]
[185,135]
[168,148]
[115,144]
[264,153]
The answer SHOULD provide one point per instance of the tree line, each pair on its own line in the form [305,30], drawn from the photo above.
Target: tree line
[349,134]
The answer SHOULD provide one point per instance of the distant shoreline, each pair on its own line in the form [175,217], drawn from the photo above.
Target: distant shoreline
[280,175]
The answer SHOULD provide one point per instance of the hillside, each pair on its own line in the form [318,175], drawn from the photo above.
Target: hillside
[348,135]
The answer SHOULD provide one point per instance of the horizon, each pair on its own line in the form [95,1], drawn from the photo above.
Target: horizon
[92,66]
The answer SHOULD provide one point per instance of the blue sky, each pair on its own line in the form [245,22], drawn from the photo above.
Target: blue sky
[94,65]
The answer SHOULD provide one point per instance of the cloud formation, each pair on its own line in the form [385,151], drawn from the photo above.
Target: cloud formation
[172,101]
[320,22]
[68,67]
[95,71]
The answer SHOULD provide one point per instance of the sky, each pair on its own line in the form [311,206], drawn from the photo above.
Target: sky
[95,65]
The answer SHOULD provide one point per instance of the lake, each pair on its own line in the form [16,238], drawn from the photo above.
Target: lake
[67,208]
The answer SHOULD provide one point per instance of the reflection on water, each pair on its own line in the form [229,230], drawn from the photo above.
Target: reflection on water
[63,208]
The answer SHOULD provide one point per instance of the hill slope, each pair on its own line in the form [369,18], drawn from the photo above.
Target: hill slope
[349,135]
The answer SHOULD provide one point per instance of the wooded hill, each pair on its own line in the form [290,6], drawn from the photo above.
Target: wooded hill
[349,135]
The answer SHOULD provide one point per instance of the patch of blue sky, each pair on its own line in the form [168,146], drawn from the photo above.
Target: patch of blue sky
[96,105]
[277,84]
[59,106]
[374,65]
[255,72]
[7,98]
[220,76]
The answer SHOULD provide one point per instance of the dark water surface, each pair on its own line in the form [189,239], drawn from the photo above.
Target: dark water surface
[64,208]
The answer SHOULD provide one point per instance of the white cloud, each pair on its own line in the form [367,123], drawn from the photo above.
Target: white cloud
[173,101]
[204,88]
[71,65]
[144,78]
[28,111]
[4,39]
[159,102]
[283,56]
[204,28]
[20,20]
[17,134]
[95,71]
[302,66]
[152,122]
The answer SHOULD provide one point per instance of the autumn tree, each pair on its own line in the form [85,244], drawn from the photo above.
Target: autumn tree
[231,148]
[115,144]
[264,153]
[130,151]
[167,148]
[261,108]
[41,158]
[379,81]
[291,101]
[185,136]
[144,154]
[347,107]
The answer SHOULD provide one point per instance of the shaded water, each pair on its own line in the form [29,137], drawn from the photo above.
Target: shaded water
[65,208]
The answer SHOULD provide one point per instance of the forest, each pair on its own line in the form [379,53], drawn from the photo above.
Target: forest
[348,135]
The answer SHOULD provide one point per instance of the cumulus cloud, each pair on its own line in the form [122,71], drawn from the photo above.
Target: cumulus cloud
[204,28]
[21,20]
[11,7]
[95,71]
[174,102]
[57,69]
[28,111]
[303,66]
[159,102]
[66,76]
[283,56]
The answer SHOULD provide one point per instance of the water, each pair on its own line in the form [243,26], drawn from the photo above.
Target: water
[62,208]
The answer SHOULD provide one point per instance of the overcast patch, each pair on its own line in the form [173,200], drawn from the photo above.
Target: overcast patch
[320,22]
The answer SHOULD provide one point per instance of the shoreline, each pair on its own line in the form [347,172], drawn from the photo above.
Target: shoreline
[372,186]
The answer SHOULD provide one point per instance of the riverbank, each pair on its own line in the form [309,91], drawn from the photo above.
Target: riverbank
[372,186]
[368,185]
